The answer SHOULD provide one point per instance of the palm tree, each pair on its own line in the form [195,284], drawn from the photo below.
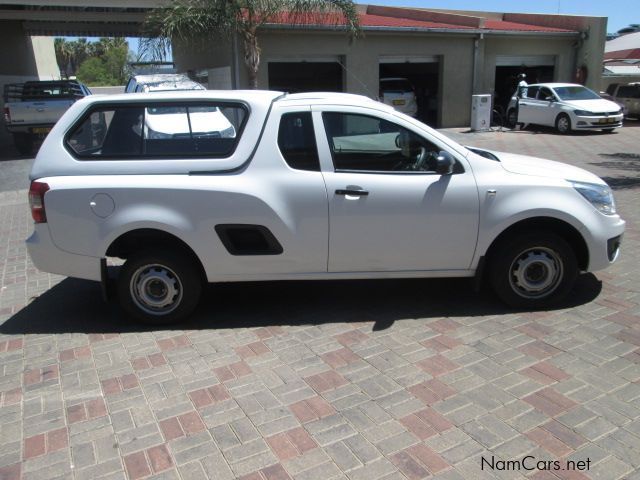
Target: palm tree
[192,19]
[64,52]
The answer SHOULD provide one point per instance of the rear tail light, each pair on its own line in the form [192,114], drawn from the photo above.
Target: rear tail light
[7,115]
[36,201]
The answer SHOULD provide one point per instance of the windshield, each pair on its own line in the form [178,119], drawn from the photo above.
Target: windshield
[576,93]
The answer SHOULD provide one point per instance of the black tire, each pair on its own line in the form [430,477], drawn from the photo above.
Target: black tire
[24,143]
[563,124]
[159,287]
[533,270]
[512,118]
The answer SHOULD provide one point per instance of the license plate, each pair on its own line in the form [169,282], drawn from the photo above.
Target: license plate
[398,102]
[41,130]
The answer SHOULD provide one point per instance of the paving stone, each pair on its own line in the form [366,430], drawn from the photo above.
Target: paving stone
[317,389]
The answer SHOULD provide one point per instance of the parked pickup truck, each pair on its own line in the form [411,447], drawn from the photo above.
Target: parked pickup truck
[32,108]
[627,95]
[304,186]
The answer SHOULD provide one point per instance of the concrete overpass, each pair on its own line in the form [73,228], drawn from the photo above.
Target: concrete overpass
[27,29]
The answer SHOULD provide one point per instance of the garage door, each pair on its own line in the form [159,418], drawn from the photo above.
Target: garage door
[526,60]
[314,74]
[423,72]
[405,59]
[537,68]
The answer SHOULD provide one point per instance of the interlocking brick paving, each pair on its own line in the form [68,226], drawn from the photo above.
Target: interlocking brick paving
[320,380]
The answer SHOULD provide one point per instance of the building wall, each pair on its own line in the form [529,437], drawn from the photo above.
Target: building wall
[496,46]
[589,47]
[360,59]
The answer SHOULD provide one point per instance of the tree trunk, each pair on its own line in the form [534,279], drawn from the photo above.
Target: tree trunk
[252,56]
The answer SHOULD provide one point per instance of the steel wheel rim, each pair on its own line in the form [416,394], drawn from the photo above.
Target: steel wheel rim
[156,289]
[536,272]
[563,124]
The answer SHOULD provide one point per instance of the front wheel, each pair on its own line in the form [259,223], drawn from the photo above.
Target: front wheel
[563,124]
[159,287]
[533,270]
[512,118]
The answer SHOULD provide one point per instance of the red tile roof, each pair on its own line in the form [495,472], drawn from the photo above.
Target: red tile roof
[632,54]
[368,20]
[393,22]
[519,27]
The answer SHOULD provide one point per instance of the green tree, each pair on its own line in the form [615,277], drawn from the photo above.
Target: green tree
[63,52]
[108,63]
[70,54]
[190,20]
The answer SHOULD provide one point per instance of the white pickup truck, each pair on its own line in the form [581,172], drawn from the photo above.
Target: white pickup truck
[303,186]
[32,108]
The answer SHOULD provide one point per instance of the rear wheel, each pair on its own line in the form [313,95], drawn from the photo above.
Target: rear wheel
[159,287]
[533,270]
[563,123]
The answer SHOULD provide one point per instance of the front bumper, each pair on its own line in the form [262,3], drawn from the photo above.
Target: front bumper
[597,122]
[604,246]
[49,258]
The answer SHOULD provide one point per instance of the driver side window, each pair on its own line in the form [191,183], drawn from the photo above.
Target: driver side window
[545,94]
[370,144]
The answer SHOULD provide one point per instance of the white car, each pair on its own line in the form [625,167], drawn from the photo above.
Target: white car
[400,94]
[161,82]
[565,106]
[169,121]
[312,186]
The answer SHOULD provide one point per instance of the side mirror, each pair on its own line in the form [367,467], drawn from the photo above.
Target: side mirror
[445,163]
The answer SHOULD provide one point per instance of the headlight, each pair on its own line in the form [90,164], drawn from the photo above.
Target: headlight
[600,196]
[584,113]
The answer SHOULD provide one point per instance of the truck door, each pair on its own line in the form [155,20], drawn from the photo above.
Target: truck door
[388,209]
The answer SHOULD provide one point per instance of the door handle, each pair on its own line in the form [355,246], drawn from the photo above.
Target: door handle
[356,193]
[523,103]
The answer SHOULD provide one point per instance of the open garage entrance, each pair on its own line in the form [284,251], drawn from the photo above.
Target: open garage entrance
[306,76]
[424,75]
[537,68]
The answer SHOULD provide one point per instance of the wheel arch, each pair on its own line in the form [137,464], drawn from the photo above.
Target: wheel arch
[127,243]
[561,228]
